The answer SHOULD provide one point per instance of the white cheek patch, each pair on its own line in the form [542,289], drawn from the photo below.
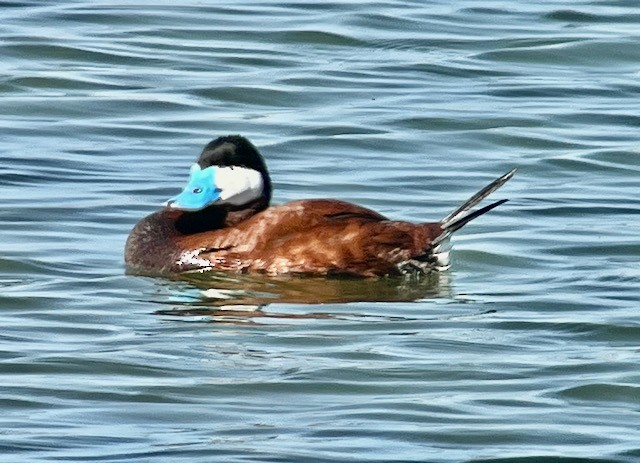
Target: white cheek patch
[238,185]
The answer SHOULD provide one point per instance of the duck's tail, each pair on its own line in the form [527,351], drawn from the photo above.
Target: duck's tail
[461,216]
[440,247]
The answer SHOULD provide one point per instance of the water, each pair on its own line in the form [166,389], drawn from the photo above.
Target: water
[527,351]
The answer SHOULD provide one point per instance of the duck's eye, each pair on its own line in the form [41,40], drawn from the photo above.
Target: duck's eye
[197,190]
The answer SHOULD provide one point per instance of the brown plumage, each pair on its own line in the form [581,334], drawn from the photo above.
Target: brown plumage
[313,237]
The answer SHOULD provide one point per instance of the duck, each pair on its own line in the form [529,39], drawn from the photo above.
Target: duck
[223,221]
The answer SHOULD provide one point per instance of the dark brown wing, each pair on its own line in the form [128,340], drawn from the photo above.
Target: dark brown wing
[354,247]
[278,223]
[321,237]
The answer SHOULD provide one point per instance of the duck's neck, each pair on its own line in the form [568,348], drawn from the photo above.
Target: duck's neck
[216,217]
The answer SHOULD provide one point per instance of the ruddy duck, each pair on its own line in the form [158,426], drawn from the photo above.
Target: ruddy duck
[222,221]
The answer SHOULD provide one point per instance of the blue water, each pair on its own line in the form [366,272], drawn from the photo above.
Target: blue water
[526,351]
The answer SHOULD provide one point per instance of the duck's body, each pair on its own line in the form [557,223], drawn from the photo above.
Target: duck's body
[313,237]
[305,237]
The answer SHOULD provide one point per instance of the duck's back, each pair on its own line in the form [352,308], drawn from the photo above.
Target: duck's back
[314,237]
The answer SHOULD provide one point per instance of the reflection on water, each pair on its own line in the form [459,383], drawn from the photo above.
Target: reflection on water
[242,297]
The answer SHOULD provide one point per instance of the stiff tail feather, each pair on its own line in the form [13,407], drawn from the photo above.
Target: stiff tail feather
[436,257]
[461,216]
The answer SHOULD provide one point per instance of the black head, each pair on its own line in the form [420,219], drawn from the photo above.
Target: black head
[236,150]
[228,151]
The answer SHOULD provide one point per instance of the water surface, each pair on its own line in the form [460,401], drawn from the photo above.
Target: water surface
[526,351]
